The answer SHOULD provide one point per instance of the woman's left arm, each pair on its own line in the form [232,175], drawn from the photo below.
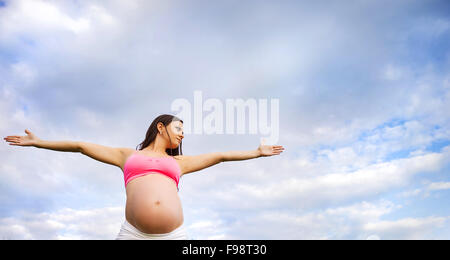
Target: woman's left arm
[240,155]
[199,162]
[262,151]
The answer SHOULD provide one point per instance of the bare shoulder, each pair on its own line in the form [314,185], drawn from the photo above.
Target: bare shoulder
[125,153]
[179,157]
[110,155]
[182,161]
[183,158]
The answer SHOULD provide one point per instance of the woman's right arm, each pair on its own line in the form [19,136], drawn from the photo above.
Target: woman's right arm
[62,146]
[105,154]
[32,140]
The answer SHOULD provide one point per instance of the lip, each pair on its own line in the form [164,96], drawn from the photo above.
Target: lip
[179,140]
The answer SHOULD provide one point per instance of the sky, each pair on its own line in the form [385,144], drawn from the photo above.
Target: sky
[364,114]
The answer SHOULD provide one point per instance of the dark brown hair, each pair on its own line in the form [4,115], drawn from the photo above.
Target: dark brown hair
[153,131]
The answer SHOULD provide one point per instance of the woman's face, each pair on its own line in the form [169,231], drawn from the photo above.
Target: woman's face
[175,130]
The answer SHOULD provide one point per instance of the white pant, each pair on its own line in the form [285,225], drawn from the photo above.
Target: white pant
[129,232]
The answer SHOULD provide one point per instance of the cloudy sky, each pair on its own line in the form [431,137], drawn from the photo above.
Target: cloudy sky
[364,114]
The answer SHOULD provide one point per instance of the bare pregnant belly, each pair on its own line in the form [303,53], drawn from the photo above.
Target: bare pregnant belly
[153,205]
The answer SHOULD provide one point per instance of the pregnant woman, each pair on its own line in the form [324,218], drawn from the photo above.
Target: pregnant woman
[151,173]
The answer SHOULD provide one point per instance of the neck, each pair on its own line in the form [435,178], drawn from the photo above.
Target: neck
[157,147]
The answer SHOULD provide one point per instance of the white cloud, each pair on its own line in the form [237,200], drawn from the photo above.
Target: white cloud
[407,228]
[65,223]
[88,118]
[15,112]
[362,220]
[42,18]
[37,17]
[363,211]
[439,186]
[24,71]
[391,72]
[291,189]
[430,27]
[427,190]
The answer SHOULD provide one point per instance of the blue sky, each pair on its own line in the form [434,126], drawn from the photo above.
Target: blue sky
[364,94]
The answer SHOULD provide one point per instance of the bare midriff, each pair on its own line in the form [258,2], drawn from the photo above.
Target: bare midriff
[153,205]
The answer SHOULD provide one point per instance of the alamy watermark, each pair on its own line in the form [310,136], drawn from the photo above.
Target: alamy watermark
[215,120]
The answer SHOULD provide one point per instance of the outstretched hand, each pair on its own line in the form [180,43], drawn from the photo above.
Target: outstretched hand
[269,150]
[27,140]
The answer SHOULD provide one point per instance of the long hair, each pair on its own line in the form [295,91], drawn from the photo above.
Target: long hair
[153,131]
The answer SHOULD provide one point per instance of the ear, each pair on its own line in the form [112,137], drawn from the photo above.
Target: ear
[160,127]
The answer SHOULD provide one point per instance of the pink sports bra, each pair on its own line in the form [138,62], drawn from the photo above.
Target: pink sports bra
[138,165]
